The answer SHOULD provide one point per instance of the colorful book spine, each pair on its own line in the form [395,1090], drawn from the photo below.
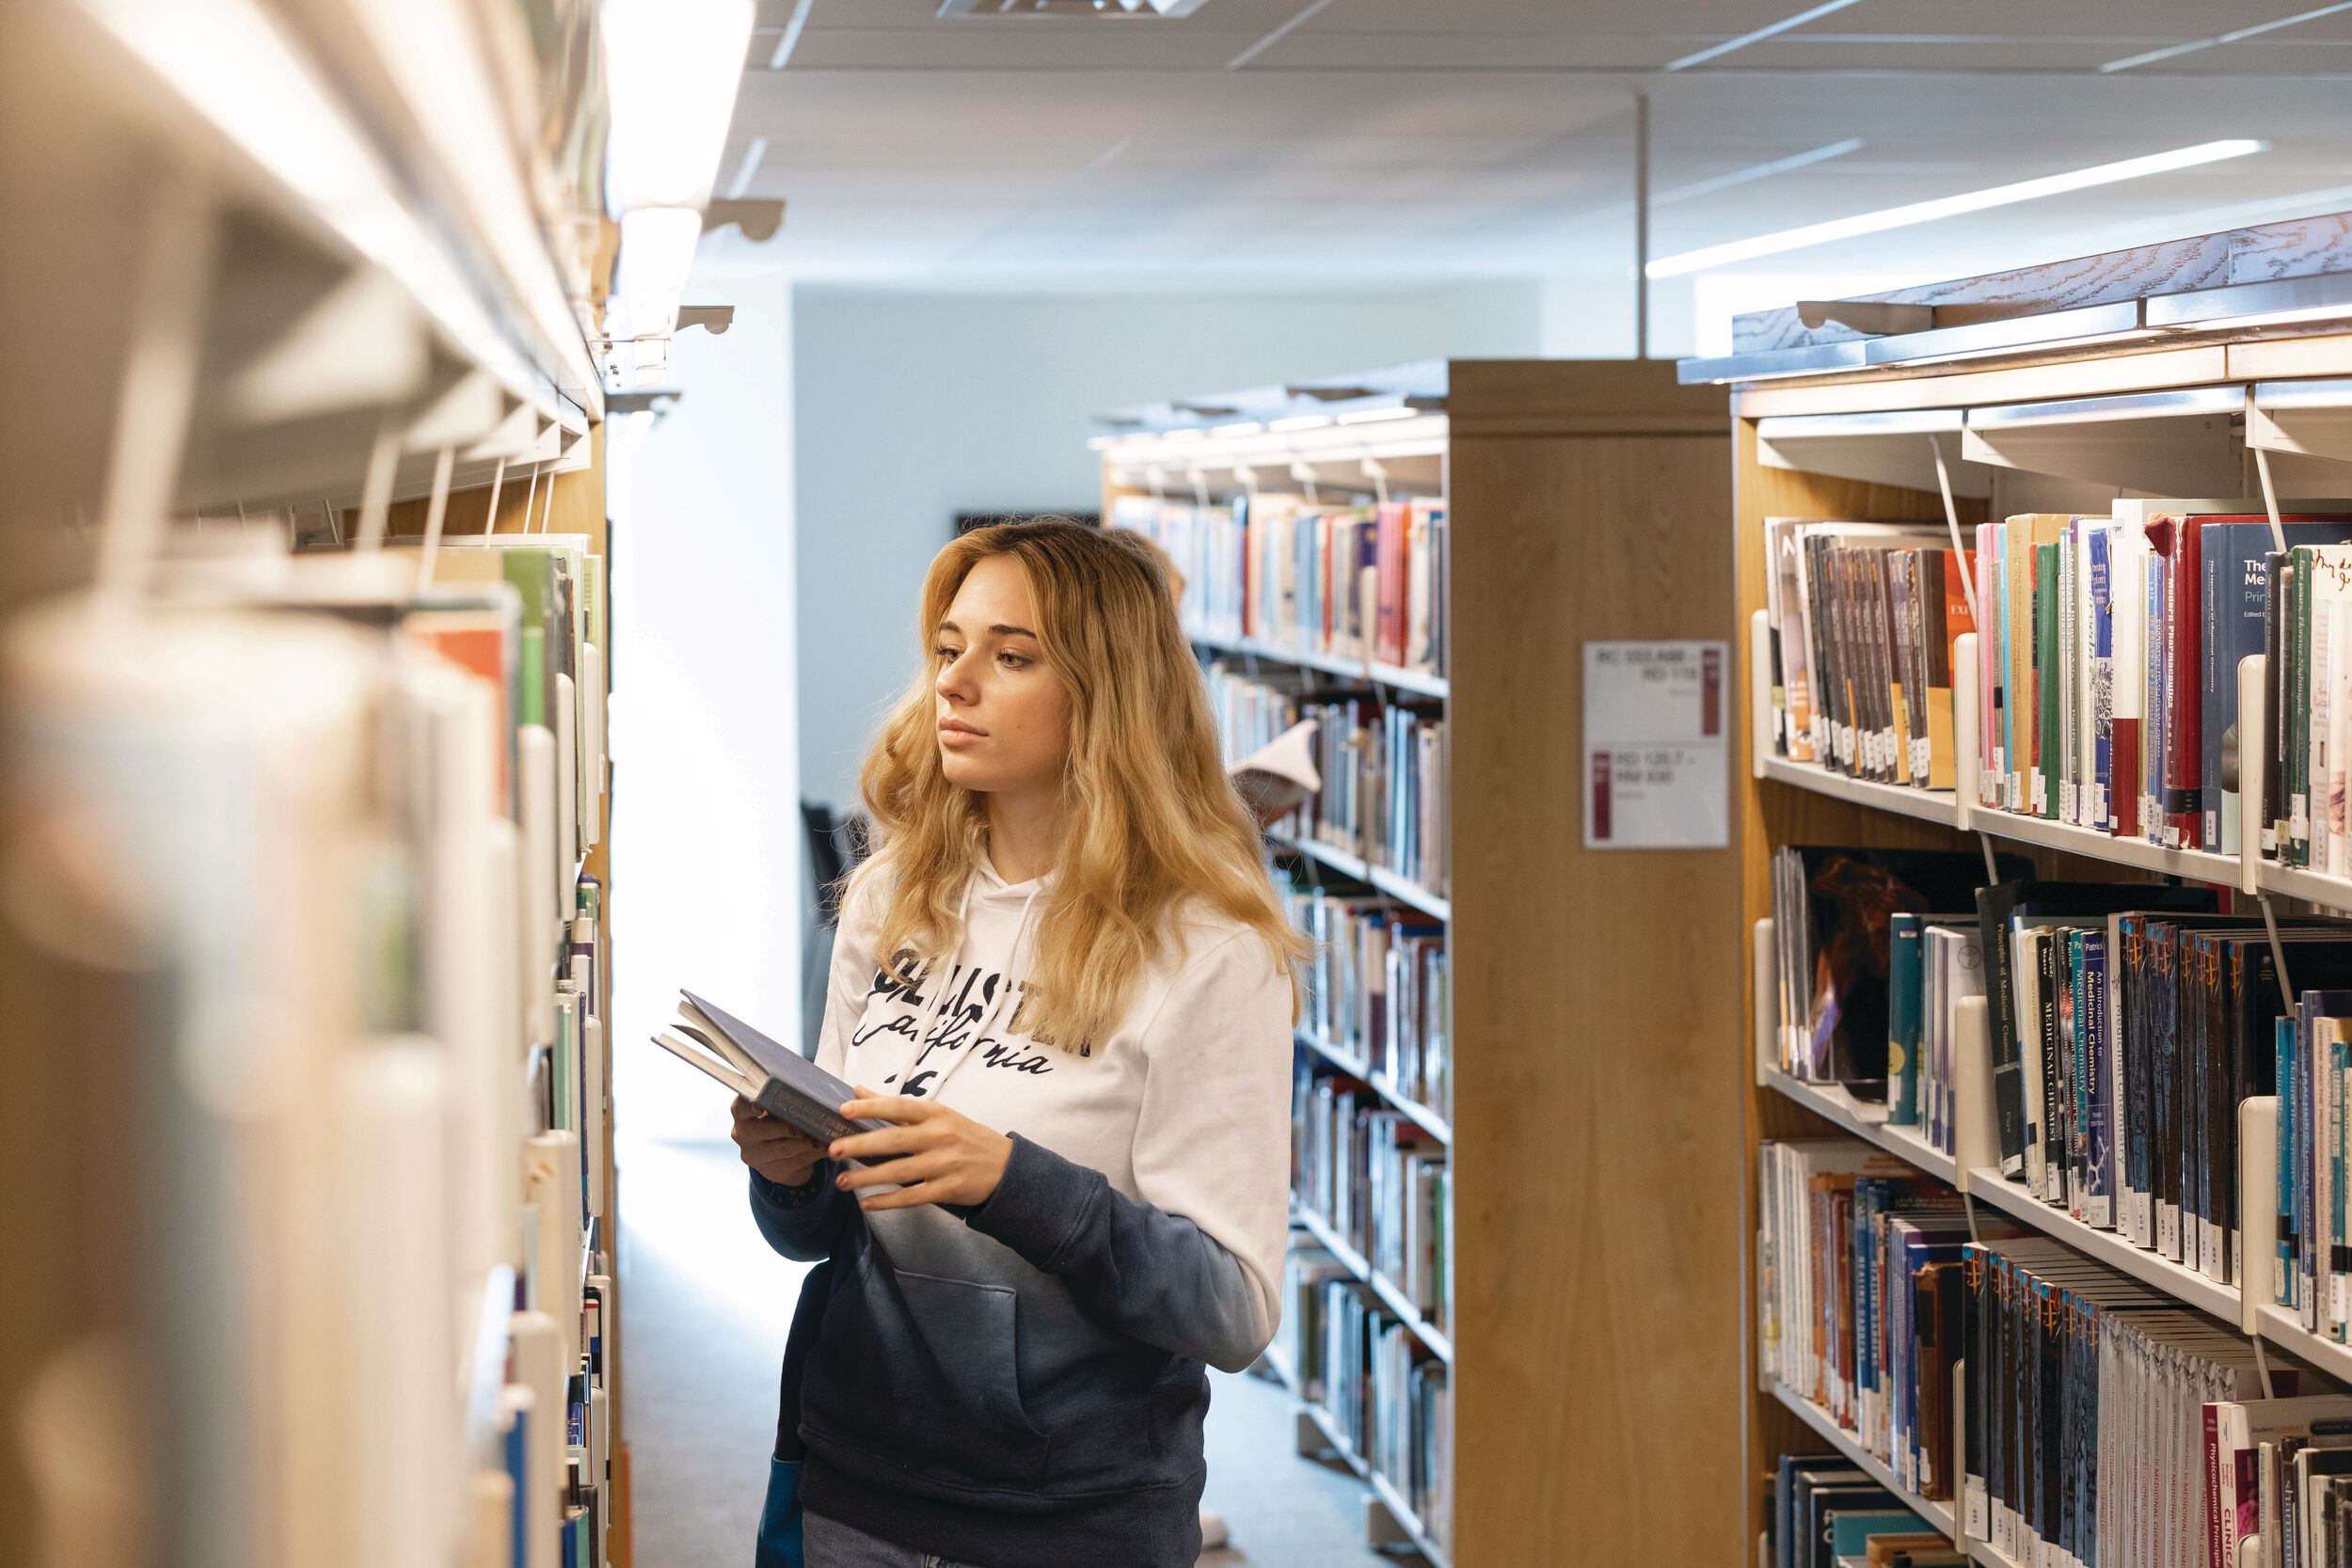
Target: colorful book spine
[2182,784]
[2127,595]
[2153,705]
[1904,996]
[2102,700]
[2049,680]
[2095,1067]
[2299,846]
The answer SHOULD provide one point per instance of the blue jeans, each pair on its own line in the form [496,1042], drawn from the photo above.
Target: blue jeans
[833,1544]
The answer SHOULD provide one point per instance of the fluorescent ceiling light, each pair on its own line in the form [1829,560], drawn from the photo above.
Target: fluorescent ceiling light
[1950,206]
[1186,432]
[1248,427]
[1757,171]
[1301,421]
[1278,35]
[2166,54]
[657,253]
[785,46]
[1759,36]
[672,67]
[1366,416]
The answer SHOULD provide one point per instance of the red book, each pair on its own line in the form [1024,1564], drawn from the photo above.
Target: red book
[2183,783]
[1389,556]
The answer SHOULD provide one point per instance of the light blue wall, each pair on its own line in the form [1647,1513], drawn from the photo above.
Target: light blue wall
[910,408]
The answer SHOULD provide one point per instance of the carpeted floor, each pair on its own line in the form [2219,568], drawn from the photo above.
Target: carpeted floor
[708,1306]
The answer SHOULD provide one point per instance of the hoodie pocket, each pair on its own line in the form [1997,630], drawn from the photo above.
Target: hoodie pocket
[922,1372]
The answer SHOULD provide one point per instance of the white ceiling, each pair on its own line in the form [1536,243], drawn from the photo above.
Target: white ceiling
[1442,139]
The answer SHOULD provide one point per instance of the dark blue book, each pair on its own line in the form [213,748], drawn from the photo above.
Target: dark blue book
[1797,1471]
[2235,599]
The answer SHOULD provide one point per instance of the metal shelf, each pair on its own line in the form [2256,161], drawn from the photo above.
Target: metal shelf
[2110,1247]
[391,143]
[1428,1120]
[1391,1297]
[2197,865]
[1834,1105]
[1929,805]
[1396,675]
[1379,876]
[1939,1515]
[1402,1515]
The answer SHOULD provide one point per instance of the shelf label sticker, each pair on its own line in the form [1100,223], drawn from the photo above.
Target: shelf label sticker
[1657,757]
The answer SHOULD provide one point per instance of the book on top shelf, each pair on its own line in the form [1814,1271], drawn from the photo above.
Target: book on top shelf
[1863,618]
[1348,581]
[2107,669]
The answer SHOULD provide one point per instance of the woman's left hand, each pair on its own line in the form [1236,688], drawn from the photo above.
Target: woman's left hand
[943,1155]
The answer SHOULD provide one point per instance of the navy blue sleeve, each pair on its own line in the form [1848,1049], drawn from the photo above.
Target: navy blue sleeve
[803,1223]
[1152,1276]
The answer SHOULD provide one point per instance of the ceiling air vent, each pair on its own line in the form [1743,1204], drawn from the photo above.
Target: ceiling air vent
[1070,8]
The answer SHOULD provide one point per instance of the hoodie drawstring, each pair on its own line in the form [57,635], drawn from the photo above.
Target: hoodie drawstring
[931,1019]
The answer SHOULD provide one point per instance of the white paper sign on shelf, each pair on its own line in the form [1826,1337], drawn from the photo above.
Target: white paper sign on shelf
[1657,752]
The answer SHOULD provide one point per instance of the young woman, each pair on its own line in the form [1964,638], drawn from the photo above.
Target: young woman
[1065,980]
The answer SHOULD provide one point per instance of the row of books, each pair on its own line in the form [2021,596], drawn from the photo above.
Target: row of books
[545,596]
[2107,665]
[1355,582]
[2126,1026]
[1864,618]
[1380,1390]
[2101,1421]
[1378,1181]
[1382,765]
[1378,988]
[338,817]
[1385,786]
[2109,1425]
[1828,1513]
[1858,1304]
[2111,662]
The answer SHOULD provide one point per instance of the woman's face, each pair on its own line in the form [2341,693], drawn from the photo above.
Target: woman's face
[1004,715]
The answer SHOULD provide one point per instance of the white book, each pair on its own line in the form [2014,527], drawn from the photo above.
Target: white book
[2339,741]
[2128,596]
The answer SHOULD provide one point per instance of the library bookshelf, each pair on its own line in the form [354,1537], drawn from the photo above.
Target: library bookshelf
[2193,366]
[1589,1138]
[291,1259]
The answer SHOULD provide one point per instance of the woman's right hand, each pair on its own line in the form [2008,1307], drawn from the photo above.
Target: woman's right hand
[773,1146]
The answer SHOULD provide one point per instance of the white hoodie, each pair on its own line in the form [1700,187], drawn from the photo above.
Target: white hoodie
[1025,1375]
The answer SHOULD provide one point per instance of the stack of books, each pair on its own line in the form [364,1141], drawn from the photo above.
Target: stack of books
[338,820]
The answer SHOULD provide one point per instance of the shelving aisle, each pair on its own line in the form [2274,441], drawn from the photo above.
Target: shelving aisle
[1554,956]
[1854,444]
[311,1207]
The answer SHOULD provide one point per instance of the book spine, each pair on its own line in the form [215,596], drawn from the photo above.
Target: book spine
[2127,566]
[1990,671]
[2068,673]
[2152,702]
[2017,648]
[2299,715]
[2090,1023]
[2313,676]
[2099,770]
[2274,822]
[2049,680]
[1903,1015]
[2183,754]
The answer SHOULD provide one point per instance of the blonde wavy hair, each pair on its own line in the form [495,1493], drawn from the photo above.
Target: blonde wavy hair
[1153,819]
